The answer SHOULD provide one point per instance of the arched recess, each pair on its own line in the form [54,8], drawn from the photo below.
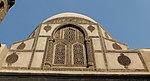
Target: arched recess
[70,25]
[69,46]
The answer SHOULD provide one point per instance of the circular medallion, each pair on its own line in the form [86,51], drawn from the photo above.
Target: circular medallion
[12,58]
[124,60]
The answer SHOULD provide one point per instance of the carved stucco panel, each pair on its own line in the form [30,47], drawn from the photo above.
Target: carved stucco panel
[28,45]
[47,32]
[93,32]
[113,63]
[109,45]
[22,61]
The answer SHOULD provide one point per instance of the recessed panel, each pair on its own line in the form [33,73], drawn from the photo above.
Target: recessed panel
[19,59]
[41,43]
[99,59]
[130,61]
[114,45]
[37,59]
[96,44]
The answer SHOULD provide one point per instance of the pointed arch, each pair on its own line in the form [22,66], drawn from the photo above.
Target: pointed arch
[71,25]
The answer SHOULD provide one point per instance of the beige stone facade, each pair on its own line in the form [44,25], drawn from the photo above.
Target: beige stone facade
[72,43]
[5,5]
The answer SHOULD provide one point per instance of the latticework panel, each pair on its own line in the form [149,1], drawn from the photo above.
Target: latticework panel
[59,54]
[78,53]
[69,34]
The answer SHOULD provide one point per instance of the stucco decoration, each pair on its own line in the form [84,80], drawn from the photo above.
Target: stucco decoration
[47,28]
[116,46]
[21,46]
[12,58]
[68,16]
[91,28]
[124,60]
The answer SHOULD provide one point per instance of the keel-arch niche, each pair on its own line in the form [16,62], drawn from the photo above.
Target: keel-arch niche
[73,25]
[70,47]
[69,35]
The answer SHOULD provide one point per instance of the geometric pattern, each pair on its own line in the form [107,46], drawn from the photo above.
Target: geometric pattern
[91,28]
[78,54]
[69,35]
[59,54]
[47,28]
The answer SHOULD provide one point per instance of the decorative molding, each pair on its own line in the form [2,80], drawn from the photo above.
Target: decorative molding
[70,20]
[122,51]
[90,54]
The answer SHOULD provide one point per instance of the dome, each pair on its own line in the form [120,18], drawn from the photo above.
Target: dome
[69,14]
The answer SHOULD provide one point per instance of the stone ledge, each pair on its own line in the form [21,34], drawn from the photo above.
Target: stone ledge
[71,77]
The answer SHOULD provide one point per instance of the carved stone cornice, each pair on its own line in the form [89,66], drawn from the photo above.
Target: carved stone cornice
[70,20]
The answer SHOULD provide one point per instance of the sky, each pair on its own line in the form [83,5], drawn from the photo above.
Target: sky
[127,21]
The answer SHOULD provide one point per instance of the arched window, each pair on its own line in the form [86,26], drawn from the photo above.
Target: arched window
[69,46]
[59,54]
[78,54]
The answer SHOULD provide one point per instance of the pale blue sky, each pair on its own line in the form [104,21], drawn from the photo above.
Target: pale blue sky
[128,21]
